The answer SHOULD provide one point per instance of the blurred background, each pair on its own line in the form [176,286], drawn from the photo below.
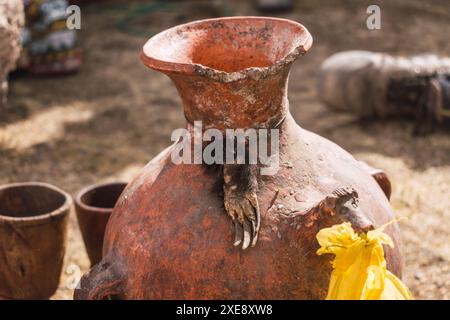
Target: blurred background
[107,118]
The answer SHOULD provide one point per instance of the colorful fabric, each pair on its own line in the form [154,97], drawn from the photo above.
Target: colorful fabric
[48,45]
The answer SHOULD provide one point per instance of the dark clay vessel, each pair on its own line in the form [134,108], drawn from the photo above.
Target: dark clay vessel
[93,206]
[169,236]
[33,227]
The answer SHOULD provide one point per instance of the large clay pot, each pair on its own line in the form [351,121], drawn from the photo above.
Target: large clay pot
[169,236]
[93,206]
[33,228]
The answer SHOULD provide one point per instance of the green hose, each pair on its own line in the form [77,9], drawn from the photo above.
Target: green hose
[135,10]
[142,9]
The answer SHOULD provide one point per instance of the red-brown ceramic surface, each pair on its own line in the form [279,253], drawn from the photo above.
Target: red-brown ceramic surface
[169,236]
[33,229]
[94,205]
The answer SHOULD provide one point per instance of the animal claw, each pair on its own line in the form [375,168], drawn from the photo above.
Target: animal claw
[241,204]
[238,233]
[245,217]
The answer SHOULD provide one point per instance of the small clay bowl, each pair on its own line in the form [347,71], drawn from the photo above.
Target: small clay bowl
[33,229]
[94,205]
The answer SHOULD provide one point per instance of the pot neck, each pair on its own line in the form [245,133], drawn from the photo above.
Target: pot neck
[258,100]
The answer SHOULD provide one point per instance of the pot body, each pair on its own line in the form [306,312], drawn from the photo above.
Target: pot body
[169,236]
[33,228]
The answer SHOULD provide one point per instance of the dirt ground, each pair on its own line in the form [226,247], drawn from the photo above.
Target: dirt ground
[105,122]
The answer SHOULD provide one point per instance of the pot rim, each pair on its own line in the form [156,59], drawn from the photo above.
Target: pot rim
[62,210]
[93,209]
[302,47]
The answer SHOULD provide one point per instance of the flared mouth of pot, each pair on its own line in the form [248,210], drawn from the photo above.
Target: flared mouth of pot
[100,198]
[227,49]
[32,202]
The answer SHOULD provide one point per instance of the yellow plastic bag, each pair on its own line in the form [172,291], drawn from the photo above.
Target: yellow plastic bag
[359,268]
